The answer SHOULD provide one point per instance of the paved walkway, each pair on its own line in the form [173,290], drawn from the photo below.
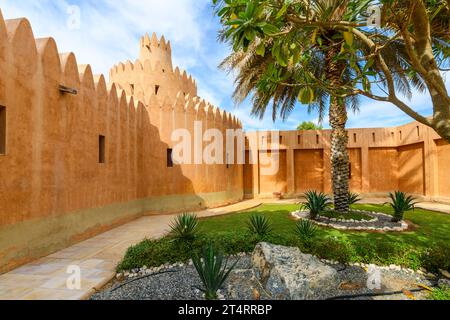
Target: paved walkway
[46,278]
[434,206]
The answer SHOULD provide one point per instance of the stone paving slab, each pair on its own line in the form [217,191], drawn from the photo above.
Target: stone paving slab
[46,278]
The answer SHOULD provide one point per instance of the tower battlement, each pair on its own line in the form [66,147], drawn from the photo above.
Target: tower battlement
[152,73]
[155,51]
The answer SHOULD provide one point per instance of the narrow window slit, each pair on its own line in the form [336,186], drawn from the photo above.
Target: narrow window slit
[2,130]
[169,158]
[101,149]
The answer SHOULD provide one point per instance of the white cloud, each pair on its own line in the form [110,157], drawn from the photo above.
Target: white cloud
[110,29]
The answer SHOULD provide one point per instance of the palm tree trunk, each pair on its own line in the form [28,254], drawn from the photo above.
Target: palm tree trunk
[340,159]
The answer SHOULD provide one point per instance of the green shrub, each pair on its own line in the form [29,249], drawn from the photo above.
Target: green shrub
[184,227]
[335,250]
[387,253]
[401,203]
[234,242]
[437,257]
[306,231]
[260,225]
[353,198]
[316,203]
[154,253]
[212,269]
[442,293]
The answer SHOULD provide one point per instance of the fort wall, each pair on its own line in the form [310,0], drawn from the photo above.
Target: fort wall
[411,158]
[75,165]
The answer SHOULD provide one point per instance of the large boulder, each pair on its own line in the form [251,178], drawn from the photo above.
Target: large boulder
[288,274]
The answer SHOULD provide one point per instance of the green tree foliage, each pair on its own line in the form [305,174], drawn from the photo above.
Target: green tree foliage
[309,125]
[410,49]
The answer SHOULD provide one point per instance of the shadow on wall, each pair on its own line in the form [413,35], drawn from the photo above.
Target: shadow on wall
[77,165]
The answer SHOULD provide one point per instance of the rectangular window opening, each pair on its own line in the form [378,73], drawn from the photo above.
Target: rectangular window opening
[281,139]
[317,139]
[354,138]
[349,170]
[2,130]
[169,158]
[101,149]
[299,139]
[418,131]
[374,138]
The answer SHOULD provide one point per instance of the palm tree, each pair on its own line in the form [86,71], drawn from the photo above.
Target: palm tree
[283,97]
[319,76]
[321,63]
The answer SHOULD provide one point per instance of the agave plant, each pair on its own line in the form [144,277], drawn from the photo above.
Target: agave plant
[316,203]
[212,269]
[353,198]
[401,203]
[184,227]
[306,230]
[259,225]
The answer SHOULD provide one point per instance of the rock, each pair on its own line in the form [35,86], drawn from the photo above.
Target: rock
[445,274]
[119,276]
[444,283]
[288,274]
[241,285]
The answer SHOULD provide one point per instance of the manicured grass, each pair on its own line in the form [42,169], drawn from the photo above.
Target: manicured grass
[440,294]
[352,215]
[428,245]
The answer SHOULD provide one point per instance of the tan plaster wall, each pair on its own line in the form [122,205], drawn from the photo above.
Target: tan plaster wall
[53,190]
[248,175]
[308,170]
[356,168]
[443,150]
[411,169]
[410,158]
[277,182]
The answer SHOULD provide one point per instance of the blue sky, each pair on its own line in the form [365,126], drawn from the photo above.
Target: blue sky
[109,32]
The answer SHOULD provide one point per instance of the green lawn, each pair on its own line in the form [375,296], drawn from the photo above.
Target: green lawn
[427,246]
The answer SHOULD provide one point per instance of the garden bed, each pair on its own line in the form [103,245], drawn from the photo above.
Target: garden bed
[353,215]
[356,221]
[181,282]
[427,246]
